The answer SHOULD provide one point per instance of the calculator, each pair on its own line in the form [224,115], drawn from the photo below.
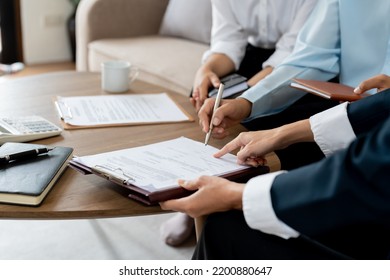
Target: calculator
[24,129]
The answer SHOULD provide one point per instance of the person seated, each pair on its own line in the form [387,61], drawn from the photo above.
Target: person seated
[325,49]
[252,37]
[336,208]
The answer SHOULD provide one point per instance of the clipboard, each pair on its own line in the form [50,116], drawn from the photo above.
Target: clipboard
[68,114]
[154,197]
[150,172]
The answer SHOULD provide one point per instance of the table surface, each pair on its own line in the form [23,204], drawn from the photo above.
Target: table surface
[87,196]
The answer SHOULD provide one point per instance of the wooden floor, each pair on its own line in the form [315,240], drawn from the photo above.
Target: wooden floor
[42,68]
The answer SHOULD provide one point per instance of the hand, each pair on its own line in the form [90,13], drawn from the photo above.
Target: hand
[230,112]
[256,144]
[380,82]
[217,65]
[213,194]
[204,79]
[253,146]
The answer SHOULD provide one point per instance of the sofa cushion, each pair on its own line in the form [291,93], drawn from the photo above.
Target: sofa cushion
[168,62]
[190,19]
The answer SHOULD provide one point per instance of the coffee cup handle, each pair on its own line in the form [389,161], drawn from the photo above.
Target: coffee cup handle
[133,73]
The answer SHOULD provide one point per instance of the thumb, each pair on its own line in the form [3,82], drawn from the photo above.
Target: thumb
[368,84]
[190,185]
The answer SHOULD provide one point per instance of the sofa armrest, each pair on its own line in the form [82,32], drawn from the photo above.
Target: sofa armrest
[99,19]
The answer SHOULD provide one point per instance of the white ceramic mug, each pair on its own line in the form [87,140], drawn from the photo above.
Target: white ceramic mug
[117,76]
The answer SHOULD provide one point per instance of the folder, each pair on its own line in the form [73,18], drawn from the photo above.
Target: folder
[328,90]
[147,193]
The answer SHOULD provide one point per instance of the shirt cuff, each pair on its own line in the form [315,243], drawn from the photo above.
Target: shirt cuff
[257,206]
[332,129]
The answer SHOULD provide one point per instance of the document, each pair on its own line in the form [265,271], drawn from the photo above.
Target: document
[159,166]
[106,110]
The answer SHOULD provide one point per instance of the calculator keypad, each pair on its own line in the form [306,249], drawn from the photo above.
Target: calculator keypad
[28,125]
[24,129]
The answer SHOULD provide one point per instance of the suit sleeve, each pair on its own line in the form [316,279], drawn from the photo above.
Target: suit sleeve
[368,112]
[351,187]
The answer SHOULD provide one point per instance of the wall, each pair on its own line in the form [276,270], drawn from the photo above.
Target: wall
[44,32]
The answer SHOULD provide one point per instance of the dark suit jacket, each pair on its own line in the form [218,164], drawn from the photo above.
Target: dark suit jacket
[352,187]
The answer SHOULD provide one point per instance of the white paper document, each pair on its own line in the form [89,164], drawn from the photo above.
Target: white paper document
[119,109]
[159,166]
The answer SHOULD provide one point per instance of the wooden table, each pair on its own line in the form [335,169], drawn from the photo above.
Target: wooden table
[76,195]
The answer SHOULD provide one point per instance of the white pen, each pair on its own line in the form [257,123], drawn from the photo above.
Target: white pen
[216,105]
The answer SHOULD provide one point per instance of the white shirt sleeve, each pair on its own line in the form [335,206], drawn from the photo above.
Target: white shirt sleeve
[332,129]
[258,210]
[227,35]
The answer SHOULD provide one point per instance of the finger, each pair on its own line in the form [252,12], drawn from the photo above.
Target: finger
[225,110]
[255,161]
[215,81]
[231,146]
[173,204]
[191,185]
[195,93]
[193,102]
[204,91]
[204,114]
[198,104]
[251,162]
[374,82]
[243,156]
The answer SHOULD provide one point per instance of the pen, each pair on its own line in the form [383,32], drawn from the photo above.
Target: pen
[24,155]
[216,105]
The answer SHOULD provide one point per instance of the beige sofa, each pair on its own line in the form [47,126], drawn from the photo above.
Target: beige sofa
[132,30]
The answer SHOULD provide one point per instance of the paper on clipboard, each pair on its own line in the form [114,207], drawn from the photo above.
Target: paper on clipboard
[116,110]
[150,172]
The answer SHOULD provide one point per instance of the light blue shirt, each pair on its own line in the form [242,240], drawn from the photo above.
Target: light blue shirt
[349,38]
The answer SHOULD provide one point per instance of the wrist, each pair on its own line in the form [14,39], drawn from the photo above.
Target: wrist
[245,107]
[234,195]
[296,132]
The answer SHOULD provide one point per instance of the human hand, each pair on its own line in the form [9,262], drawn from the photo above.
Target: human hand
[230,112]
[255,145]
[380,82]
[213,194]
[204,79]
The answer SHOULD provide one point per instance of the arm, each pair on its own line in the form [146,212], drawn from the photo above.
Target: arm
[351,187]
[228,42]
[315,56]
[256,195]
[227,35]
[347,119]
